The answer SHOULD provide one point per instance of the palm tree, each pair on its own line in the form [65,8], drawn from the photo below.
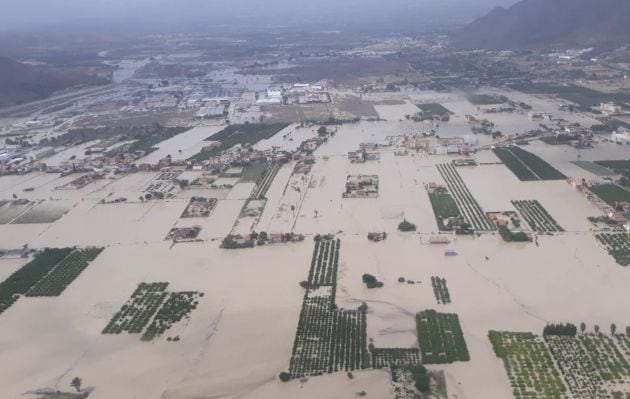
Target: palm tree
[76,383]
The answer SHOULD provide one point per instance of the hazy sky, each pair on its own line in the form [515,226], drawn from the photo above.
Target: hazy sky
[24,15]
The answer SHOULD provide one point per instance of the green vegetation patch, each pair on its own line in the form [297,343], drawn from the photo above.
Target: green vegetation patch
[610,192]
[440,337]
[527,166]
[433,109]
[178,306]
[592,364]
[529,366]
[594,167]
[136,314]
[583,96]
[617,245]
[440,290]
[263,182]
[147,141]
[517,166]
[444,206]
[537,216]
[64,273]
[467,204]
[246,134]
[20,282]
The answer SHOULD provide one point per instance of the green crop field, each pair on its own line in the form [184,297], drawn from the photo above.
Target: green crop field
[232,135]
[433,109]
[440,337]
[610,193]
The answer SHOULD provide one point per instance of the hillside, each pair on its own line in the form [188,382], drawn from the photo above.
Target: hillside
[541,23]
[20,83]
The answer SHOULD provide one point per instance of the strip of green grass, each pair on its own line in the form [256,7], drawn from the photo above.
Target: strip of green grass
[249,133]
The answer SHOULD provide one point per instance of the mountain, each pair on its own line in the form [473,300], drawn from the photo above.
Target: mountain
[21,83]
[542,23]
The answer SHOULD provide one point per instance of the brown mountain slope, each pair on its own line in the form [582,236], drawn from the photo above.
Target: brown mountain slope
[540,23]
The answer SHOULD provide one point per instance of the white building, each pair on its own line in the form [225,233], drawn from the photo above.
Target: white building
[610,108]
[621,137]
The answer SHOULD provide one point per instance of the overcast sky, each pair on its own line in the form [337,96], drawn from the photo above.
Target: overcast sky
[24,15]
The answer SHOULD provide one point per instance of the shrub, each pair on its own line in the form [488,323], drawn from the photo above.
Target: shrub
[284,376]
[406,226]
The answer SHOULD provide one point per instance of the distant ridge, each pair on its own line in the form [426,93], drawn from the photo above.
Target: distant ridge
[21,83]
[542,23]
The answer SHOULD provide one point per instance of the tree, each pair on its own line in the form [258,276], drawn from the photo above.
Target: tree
[613,329]
[322,131]
[76,383]
[284,376]
[628,331]
[596,329]
[582,327]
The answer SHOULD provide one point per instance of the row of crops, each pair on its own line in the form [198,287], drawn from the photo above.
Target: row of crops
[66,271]
[527,166]
[262,185]
[441,338]
[517,166]
[178,306]
[324,263]
[591,364]
[529,366]
[586,366]
[388,357]
[440,290]
[48,274]
[328,339]
[468,206]
[444,206]
[151,305]
[537,216]
[617,245]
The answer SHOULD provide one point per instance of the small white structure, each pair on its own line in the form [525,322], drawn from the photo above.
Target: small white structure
[621,137]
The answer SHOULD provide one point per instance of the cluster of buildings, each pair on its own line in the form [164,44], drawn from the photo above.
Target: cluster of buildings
[361,186]
[299,93]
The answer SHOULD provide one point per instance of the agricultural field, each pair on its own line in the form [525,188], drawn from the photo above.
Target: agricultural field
[247,134]
[433,109]
[21,282]
[594,167]
[610,192]
[328,339]
[617,245]
[468,207]
[64,273]
[441,338]
[264,181]
[136,314]
[529,365]
[582,96]
[388,357]
[527,166]
[44,212]
[537,217]
[444,206]
[178,306]
[440,290]
[323,271]
[593,365]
